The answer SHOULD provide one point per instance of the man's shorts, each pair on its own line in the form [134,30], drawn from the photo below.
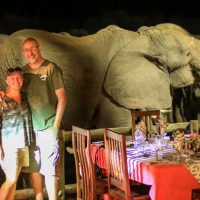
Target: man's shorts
[13,160]
[48,141]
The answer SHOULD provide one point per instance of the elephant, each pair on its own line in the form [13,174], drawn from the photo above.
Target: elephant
[168,26]
[186,103]
[113,71]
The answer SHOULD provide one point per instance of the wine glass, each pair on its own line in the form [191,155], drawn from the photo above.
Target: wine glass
[161,127]
[139,139]
[178,144]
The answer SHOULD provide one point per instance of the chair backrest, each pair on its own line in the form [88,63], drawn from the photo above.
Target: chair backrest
[194,126]
[146,117]
[115,148]
[85,172]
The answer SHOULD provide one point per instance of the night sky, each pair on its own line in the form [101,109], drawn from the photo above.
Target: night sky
[93,15]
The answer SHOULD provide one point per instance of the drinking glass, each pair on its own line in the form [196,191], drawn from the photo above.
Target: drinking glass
[140,138]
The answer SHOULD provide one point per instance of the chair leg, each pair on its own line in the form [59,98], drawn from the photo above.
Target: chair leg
[98,197]
[196,194]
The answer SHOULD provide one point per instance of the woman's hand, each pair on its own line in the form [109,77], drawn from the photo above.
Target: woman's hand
[1,153]
[2,94]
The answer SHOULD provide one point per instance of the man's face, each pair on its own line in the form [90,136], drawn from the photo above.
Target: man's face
[14,80]
[31,51]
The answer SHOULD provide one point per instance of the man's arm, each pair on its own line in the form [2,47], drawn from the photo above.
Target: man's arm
[62,101]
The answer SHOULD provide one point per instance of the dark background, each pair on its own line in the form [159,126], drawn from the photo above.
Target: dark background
[85,17]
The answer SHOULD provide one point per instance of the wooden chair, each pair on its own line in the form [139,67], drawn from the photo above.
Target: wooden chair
[196,194]
[89,187]
[146,117]
[118,180]
[194,126]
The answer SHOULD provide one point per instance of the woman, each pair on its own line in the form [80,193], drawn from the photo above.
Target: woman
[16,133]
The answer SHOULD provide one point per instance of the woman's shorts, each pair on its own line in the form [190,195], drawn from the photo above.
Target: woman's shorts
[34,159]
[14,159]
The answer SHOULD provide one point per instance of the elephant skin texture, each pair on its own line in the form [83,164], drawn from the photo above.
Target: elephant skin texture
[113,71]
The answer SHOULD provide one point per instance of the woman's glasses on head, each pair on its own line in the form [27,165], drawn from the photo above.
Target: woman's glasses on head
[13,69]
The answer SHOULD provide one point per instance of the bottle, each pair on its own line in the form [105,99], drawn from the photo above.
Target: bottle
[159,154]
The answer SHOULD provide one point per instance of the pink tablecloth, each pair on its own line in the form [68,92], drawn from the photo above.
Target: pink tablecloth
[169,182]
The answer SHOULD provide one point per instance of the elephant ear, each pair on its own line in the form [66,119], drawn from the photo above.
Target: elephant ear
[134,82]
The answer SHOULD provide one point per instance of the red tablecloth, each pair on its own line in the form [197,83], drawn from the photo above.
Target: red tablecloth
[169,182]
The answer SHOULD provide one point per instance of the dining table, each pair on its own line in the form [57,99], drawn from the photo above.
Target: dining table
[169,179]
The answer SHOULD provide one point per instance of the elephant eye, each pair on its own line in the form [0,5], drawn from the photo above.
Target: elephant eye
[158,62]
[188,53]
[154,59]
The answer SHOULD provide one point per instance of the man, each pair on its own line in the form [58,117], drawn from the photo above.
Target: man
[46,95]
[16,133]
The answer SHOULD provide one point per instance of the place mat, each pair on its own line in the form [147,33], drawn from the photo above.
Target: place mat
[194,168]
